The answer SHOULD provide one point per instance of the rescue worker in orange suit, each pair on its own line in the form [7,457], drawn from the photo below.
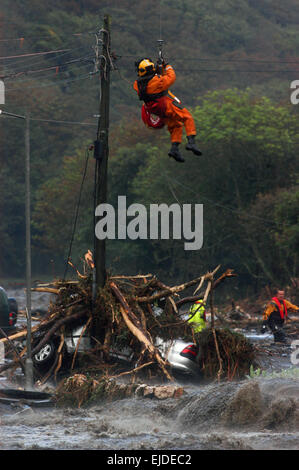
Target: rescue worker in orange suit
[152,88]
[275,316]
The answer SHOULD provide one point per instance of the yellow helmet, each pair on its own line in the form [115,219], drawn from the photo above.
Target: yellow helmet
[144,67]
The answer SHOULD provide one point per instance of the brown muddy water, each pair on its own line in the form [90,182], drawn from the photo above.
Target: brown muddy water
[260,413]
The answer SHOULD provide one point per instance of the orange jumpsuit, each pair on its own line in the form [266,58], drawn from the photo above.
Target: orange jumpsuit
[271,307]
[176,118]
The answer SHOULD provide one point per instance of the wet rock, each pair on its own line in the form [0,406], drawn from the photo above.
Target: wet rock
[168,391]
[160,392]
[148,392]
[245,407]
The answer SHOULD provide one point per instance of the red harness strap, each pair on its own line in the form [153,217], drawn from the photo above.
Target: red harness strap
[151,120]
[157,106]
[282,308]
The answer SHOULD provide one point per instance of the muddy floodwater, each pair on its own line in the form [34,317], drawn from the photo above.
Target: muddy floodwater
[258,413]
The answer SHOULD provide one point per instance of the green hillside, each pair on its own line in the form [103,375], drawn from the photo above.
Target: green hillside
[212,44]
[234,61]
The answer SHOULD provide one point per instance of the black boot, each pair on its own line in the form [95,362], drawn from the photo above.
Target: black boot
[192,146]
[279,336]
[175,153]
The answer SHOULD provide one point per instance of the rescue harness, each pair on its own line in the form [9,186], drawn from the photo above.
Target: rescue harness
[281,308]
[153,108]
[142,83]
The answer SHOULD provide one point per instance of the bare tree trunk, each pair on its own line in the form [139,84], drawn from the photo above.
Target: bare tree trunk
[213,330]
[135,326]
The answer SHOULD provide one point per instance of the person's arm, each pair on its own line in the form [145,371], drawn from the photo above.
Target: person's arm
[267,312]
[161,83]
[291,306]
[168,77]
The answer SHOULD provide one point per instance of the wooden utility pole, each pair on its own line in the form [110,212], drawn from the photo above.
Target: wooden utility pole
[101,149]
[28,363]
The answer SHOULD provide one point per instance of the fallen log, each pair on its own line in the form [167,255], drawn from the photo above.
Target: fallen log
[138,276]
[48,290]
[43,324]
[173,290]
[228,273]
[55,327]
[19,335]
[135,326]
[45,338]
[133,371]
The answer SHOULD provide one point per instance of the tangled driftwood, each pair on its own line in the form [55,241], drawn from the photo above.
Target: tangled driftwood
[122,314]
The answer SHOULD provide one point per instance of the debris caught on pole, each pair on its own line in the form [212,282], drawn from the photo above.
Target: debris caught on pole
[101,149]
[125,315]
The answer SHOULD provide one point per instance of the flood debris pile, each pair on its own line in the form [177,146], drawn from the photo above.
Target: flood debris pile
[132,312]
[236,353]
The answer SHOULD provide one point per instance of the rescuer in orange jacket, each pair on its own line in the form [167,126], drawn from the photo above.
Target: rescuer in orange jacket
[152,88]
[275,315]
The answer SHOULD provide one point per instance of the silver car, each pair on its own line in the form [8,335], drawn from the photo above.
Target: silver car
[182,356]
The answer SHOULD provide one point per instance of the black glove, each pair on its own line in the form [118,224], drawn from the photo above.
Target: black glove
[160,64]
[263,328]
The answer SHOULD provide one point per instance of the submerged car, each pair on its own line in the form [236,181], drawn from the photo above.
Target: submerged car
[8,312]
[183,357]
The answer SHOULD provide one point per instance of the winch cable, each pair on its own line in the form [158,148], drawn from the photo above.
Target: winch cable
[160,41]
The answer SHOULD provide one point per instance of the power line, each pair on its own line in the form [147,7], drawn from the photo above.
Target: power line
[49,76]
[198,59]
[54,121]
[236,70]
[296,61]
[34,54]
[18,62]
[46,73]
[82,77]
[56,67]
[26,36]
[230,70]
[63,122]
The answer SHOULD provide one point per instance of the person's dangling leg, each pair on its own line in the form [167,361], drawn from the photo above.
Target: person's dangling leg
[275,325]
[183,116]
[176,130]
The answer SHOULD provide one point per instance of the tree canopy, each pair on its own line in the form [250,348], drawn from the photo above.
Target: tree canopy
[234,62]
